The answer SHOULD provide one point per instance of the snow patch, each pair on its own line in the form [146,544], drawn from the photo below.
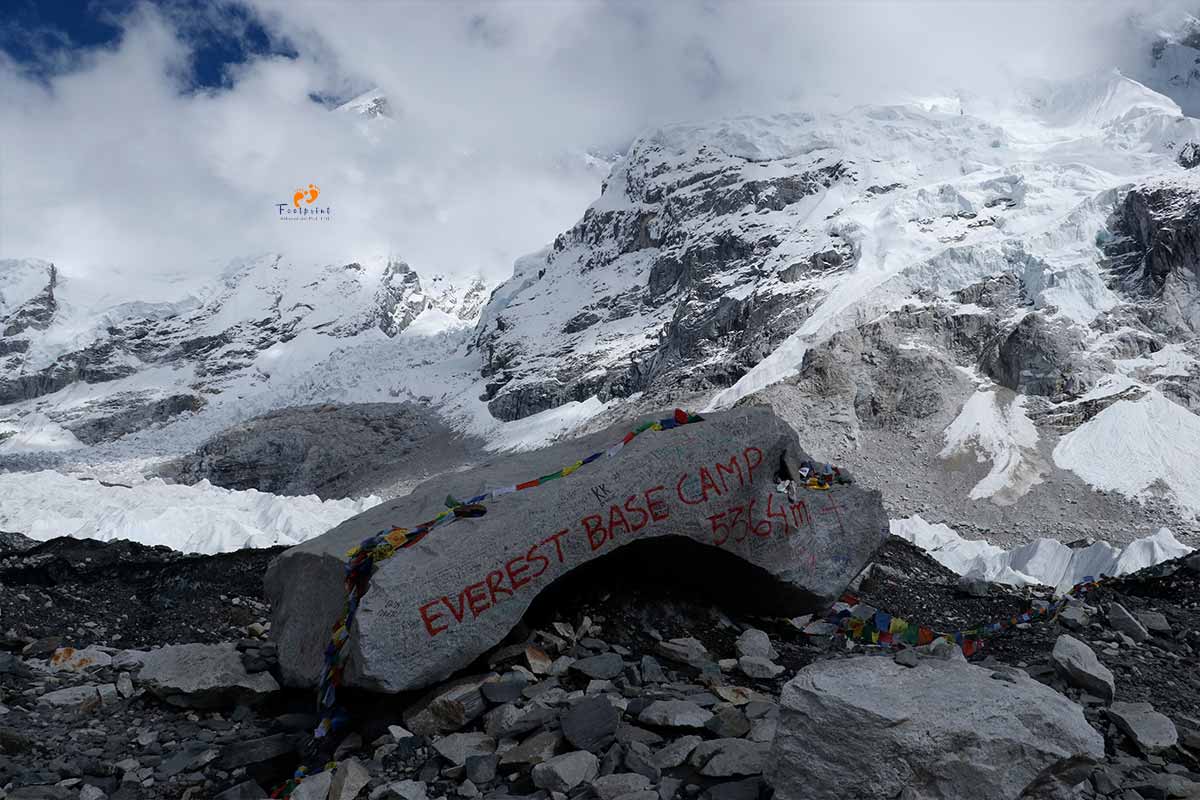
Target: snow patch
[1043,561]
[194,519]
[1138,447]
[1001,434]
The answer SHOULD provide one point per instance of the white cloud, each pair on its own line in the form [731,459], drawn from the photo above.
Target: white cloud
[112,168]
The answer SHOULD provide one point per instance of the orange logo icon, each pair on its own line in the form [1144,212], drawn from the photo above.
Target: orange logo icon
[307,195]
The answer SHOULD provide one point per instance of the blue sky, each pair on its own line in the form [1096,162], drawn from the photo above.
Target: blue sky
[49,37]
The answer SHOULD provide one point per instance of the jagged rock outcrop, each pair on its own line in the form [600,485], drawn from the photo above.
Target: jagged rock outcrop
[437,606]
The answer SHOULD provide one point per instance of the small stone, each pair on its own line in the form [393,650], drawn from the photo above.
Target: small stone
[652,671]
[246,790]
[756,644]
[511,720]
[610,787]
[601,667]
[1151,731]
[398,732]
[675,753]
[761,668]
[314,787]
[506,690]
[907,657]
[675,714]
[1155,622]
[539,662]
[537,748]
[1074,617]
[639,759]
[481,769]
[728,723]
[89,792]
[726,758]
[456,747]
[401,790]
[563,773]
[348,780]
[1121,620]
[124,685]
[972,586]
[591,724]
[687,651]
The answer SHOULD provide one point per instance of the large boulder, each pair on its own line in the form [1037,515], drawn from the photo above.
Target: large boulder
[435,607]
[867,727]
[202,676]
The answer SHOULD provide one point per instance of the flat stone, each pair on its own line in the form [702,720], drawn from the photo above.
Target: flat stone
[640,759]
[868,727]
[505,690]
[1074,617]
[563,773]
[1078,663]
[907,657]
[255,751]
[1154,621]
[1121,620]
[601,667]
[534,750]
[610,787]
[727,758]
[762,668]
[675,714]
[511,720]
[1151,731]
[684,650]
[458,747]
[590,724]
[448,707]
[652,671]
[70,696]
[202,676]
[745,789]
[431,611]
[68,659]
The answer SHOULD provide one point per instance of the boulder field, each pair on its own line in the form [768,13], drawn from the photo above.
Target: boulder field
[731,482]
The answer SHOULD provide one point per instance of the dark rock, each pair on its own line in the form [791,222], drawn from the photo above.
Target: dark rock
[481,769]
[506,690]
[728,723]
[246,790]
[601,667]
[591,723]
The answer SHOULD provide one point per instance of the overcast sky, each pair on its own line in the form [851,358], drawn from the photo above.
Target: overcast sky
[127,153]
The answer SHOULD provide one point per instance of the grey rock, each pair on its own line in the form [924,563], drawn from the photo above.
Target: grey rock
[675,753]
[511,720]
[90,792]
[745,789]
[591,724]
[432,611]
[246,790]
[906,657]
[675,714]
[727,758]
[640,759]
[1151,731]
[70,696]
[728,723]
[202,676]
[601,667]
[974,587]
[537,748]
[754,642]
[1121,620]
[610,787]
[448,707]
[1074,617]
[400,790]
[563,773]
[458,747]
[481,769]
[124,685]
[763,730]
[1154,621]
[506,690]
[350,778]
[644,794]
[760,668]
[863,727]
[314,787]
[1078,663]
[685,650]
[255,751]
[652,671]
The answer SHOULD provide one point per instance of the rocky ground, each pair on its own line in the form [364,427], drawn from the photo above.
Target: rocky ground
[621,684]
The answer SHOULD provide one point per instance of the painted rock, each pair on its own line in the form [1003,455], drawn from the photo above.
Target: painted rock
[703,496]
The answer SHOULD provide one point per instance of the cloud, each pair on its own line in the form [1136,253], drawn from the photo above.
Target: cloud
[112,167]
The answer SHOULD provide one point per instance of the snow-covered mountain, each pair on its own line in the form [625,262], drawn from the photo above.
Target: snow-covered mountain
[989,310]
